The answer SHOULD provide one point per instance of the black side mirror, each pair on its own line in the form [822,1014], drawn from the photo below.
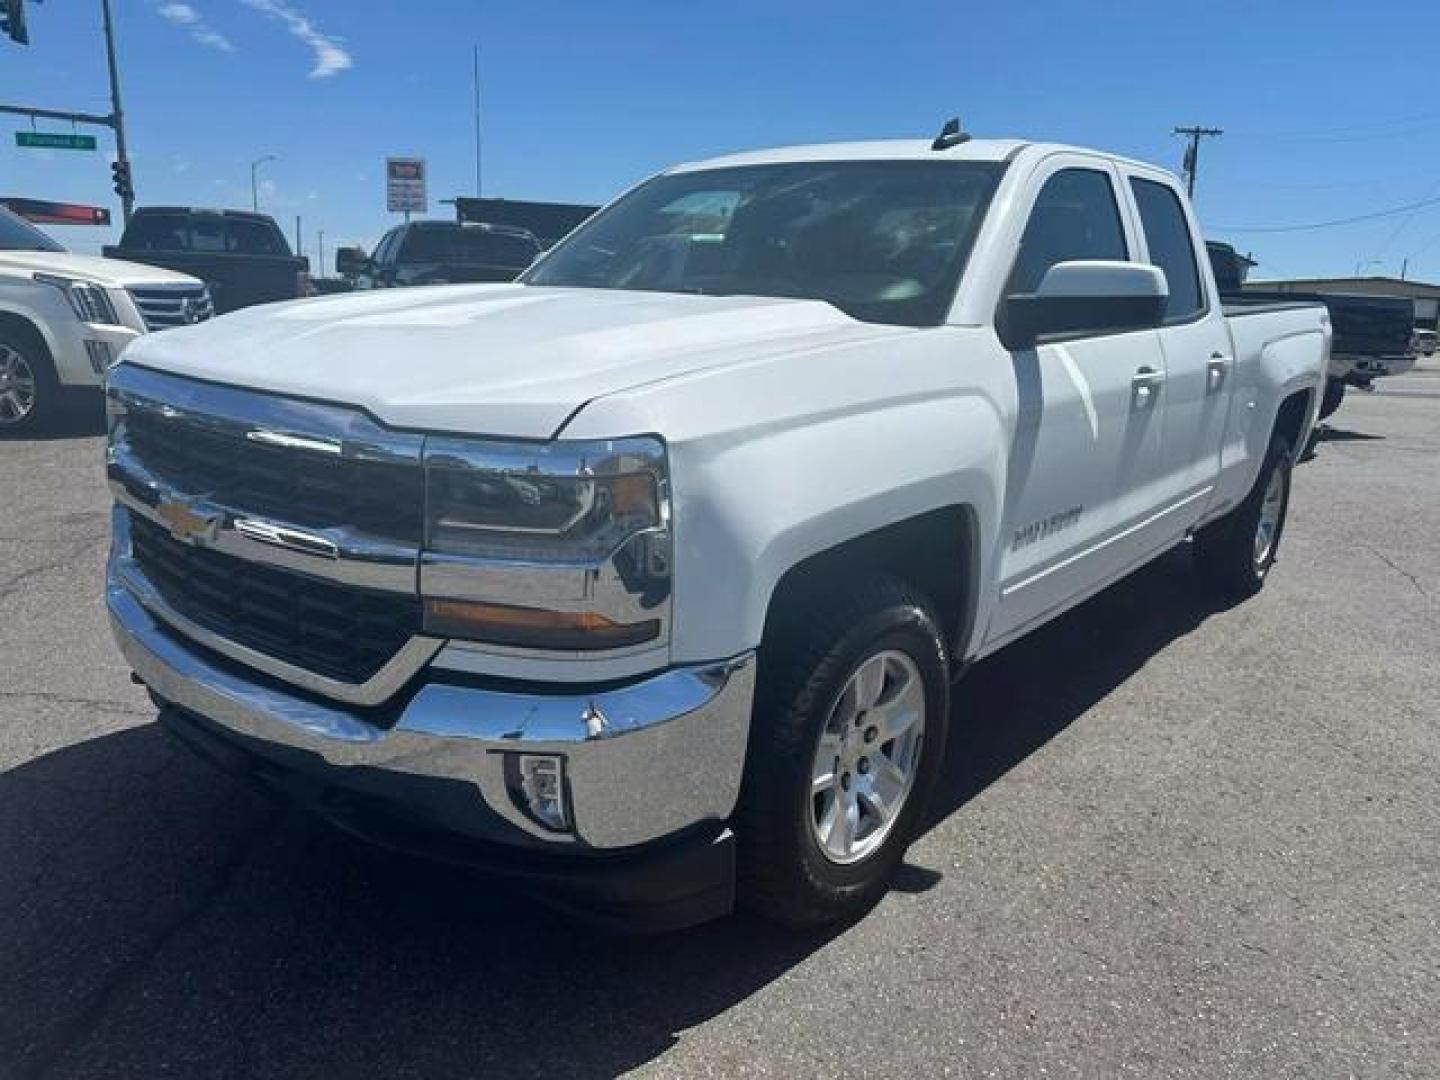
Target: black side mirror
[350,261]
[1086,297]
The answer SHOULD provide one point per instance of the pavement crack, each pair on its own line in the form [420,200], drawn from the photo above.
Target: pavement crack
[1393,565]
[69,699]
[11,585]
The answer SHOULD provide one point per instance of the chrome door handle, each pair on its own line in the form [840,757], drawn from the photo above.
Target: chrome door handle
[1145,386]
[1216,371]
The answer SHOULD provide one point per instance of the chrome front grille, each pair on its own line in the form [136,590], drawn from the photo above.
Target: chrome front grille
[331,629]
[290,529]
[165,306]
[296,487]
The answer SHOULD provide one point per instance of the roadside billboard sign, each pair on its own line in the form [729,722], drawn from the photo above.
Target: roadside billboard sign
[405,185]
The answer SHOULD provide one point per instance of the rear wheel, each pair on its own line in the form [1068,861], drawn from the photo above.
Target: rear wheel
[846,741]
[1235,553]
[29,391]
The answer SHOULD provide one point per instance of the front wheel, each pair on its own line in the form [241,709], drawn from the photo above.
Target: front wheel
[846,741]
[1235,553]
[29,391]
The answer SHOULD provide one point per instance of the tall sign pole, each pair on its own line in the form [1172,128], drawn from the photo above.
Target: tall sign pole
[117,115]
[477,122]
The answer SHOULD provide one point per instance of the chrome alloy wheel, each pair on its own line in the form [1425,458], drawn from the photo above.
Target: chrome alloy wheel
[867,757]
[1271,507]
[17,386]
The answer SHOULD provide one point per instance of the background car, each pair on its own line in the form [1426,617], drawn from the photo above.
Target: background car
[439,253]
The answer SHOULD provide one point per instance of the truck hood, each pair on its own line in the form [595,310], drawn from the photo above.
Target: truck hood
[507,360]
[115,273]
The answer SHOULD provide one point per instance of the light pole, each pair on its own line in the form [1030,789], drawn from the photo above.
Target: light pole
[322,253]
[254,190]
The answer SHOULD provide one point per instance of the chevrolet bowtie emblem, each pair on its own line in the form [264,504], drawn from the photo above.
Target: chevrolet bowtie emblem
[186,523]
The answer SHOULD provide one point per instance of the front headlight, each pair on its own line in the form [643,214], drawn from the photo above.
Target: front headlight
[91,303]
[548,515]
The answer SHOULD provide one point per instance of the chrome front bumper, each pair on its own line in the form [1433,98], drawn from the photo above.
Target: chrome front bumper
[642,761]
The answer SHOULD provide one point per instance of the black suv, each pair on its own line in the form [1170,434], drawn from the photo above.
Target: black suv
[439,253]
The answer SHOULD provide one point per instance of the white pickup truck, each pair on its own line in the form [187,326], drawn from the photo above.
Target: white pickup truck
[65,318]
[643,580]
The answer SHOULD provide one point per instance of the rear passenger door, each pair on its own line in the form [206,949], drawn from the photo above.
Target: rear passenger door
[1085,452]
[1198,362]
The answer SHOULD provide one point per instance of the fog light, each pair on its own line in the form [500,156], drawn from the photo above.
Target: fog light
[100,356]
[542,789]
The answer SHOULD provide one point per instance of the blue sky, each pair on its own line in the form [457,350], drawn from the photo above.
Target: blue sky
[1328,108]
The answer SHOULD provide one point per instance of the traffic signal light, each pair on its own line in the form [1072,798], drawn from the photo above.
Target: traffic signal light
[12,21]
[120,172]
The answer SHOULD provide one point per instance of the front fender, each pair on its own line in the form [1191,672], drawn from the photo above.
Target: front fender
[753,510]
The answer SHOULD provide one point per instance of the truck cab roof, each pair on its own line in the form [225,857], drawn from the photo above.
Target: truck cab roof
[999,150]
[247,215]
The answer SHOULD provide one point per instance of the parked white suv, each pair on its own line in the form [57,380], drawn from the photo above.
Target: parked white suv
[65,318]
[643,580]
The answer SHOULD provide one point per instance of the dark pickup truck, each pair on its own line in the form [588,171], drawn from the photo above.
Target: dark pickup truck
[1372,335]
[242,257]
[440,253]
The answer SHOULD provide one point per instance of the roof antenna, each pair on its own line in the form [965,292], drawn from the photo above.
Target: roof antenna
[950,135]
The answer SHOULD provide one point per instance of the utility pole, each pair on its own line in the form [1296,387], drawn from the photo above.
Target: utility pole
[322,253]
[299,243]
[117,114]
[1191,161]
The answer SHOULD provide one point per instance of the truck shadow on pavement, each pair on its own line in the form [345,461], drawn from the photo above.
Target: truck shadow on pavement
[161,920]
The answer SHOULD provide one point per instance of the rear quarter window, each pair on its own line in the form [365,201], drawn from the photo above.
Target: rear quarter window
[1167,235]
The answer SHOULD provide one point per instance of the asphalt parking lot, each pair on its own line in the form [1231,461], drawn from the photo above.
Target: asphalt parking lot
[1172,840]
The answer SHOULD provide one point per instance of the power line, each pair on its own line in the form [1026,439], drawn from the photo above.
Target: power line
[1329,224]
[1404,223]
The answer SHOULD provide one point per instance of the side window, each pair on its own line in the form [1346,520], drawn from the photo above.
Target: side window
[1167,234]
[1075,217]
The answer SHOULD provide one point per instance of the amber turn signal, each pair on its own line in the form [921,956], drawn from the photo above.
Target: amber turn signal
[533,628]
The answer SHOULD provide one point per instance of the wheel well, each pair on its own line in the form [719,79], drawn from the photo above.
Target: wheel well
[1291,417]
[935,552]
[19,328]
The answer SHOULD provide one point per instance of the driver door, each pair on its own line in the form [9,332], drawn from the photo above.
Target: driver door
[1084,457]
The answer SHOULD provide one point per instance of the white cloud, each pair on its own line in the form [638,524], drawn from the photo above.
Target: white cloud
[179,14]
[330,57]
[189,19]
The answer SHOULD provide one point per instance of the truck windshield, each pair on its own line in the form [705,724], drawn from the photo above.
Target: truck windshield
[17,234]
[883,241]
[469,244]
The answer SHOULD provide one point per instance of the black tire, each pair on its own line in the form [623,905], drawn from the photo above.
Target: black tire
[808,657]
[1227,553]
[34,358]
[1334,395]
